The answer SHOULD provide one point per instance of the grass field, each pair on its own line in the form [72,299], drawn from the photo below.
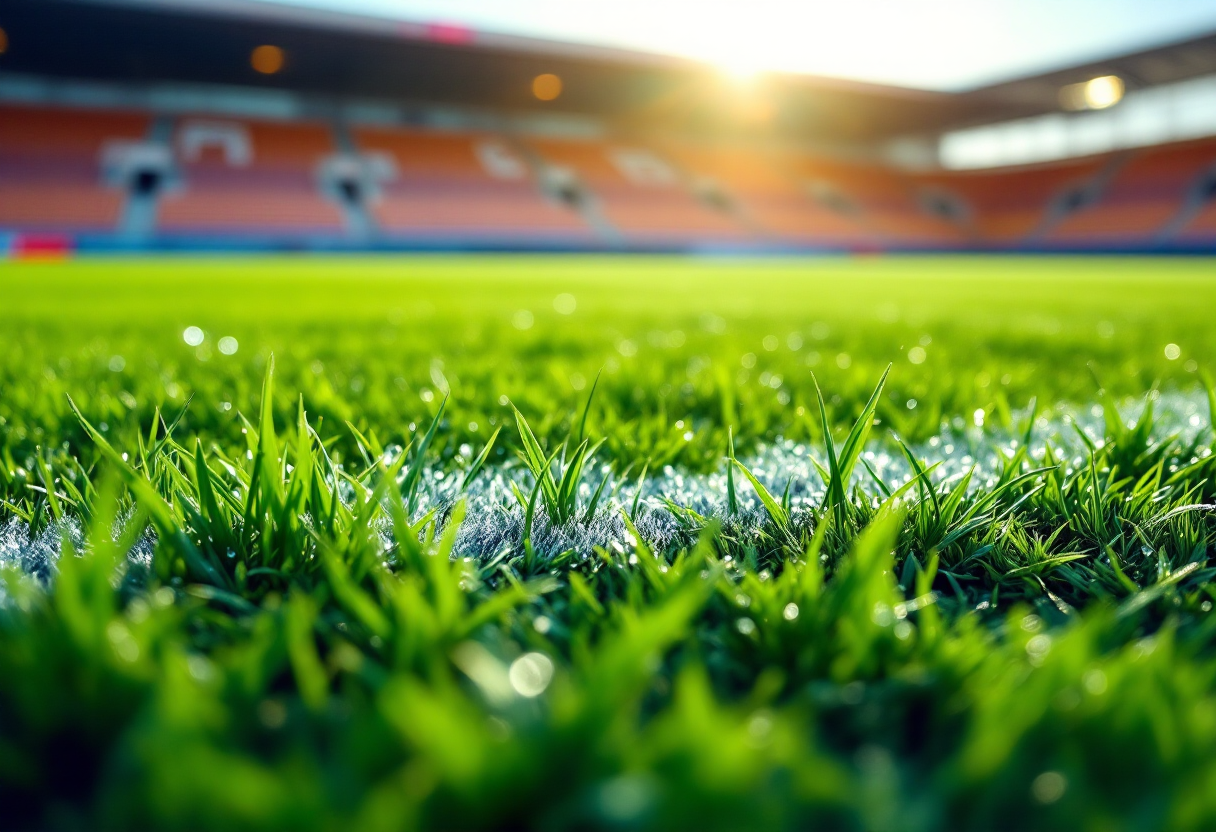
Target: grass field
[572,542]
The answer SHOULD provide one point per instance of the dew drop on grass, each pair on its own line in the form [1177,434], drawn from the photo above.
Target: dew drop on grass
[1038,646]
[228,345]
[759,727]
[565,304]
[1172,351]
[200,667]
[193,336]
[882,615]
[124,644]
[1048,787]
[530,674]
[625,798]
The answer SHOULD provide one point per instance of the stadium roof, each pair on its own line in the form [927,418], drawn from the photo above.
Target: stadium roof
[928,44]
[346,55]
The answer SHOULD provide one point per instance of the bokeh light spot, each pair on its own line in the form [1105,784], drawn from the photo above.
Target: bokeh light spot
[267,59]
[1048,787]
[547,86]
[530,674]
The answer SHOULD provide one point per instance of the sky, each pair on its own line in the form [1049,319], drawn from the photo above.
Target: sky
[931,44]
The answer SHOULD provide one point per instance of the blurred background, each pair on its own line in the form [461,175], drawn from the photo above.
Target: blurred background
[677,126]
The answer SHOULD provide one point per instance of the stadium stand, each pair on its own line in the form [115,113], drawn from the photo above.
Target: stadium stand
[1146,192]
[1007,207]
[883,202]
[179,138]
[81,171]
[1200,229]
[249,178]
[452,186]
[50,168]
[639,194]
[775,203]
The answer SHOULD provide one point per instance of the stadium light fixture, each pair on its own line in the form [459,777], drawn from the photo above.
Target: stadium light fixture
[267,59]
[1094,94]
[546,86]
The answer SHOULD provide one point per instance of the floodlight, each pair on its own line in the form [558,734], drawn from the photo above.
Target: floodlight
[1094,94]
[546,86]
[1103,92]
[267,59]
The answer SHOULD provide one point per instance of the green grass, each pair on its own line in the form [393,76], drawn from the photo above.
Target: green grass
[273,614]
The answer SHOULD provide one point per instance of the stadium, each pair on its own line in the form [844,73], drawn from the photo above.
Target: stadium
[462,425]
[347,132]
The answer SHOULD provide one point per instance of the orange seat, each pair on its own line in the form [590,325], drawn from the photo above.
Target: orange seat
[654,211]
[442,188]
[770,196]
[485,214]
[248,210]
[1145,194]
[1202,227]
[885,201]
[1006,206]
[50,174]
[58,205]
[276,193]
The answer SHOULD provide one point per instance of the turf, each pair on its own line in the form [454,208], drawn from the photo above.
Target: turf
[477,542]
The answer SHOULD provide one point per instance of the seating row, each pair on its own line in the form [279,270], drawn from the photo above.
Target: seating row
[81,171]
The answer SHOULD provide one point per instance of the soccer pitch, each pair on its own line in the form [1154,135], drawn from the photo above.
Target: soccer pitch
[459,542]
